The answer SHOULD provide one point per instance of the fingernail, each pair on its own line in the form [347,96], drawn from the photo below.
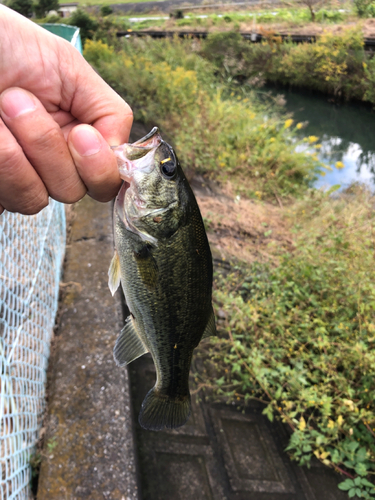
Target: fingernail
[16,102]
[86,142]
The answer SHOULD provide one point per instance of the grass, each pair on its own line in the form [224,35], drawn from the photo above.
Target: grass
[297,327]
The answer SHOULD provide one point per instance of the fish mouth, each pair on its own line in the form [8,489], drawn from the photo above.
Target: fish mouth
[138,156]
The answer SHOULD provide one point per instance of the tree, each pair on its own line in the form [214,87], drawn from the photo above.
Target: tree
[24,7]
[105,10]
[82,20]
[44,6]
[311,5]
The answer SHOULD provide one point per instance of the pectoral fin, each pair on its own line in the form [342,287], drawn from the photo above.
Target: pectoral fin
[128,346]
[114,273]
[147,267]
[210,330]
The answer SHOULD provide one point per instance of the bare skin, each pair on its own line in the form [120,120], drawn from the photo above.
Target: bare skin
[57,120]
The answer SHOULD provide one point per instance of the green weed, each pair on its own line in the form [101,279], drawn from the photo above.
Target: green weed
[300,337]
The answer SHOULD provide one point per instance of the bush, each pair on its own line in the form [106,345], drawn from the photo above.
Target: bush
[361,7]
[335,64]
[105,10]
[85,23]
[24,7]
[300,337]
[215,131]
[42,7]
[370,10]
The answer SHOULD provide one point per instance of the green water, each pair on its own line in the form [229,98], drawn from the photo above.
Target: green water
[346,133]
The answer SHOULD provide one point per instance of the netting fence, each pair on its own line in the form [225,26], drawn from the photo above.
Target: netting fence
[31,250]
[31,254]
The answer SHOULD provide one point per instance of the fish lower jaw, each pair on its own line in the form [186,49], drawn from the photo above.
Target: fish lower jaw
[125,175]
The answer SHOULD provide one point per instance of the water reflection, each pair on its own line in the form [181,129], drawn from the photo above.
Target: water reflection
[346,133]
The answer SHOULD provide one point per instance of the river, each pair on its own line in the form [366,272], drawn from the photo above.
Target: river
[346,133]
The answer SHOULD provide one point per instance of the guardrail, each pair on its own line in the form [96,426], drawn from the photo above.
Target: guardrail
[369,43]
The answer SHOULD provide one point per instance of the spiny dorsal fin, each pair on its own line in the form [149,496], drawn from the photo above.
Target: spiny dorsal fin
[210,330]
[114,273]
[128,346]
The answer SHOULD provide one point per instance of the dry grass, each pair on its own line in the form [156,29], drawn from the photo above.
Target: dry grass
[242,229]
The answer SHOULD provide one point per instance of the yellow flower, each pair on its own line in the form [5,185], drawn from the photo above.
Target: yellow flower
[288,123]
[318,146]
[339,165]
[302,424]
[299,125]
[313,138]
[331,424]
[272,139]
[340,420]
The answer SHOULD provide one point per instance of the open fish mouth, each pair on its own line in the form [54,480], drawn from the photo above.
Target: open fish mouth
[138,156]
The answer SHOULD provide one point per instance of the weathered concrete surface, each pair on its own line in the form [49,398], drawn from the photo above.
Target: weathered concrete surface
[89,448]
[221,454]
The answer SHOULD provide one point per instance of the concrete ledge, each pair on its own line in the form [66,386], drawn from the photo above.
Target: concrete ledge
[89,449]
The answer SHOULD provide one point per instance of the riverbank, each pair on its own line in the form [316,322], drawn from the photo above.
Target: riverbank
[295,305]
[336,63]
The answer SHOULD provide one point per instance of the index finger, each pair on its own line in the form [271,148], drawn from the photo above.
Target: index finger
[91,100]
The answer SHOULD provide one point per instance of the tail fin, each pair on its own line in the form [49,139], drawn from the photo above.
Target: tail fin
[159,411]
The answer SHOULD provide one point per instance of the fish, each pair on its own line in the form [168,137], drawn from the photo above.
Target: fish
[163,261]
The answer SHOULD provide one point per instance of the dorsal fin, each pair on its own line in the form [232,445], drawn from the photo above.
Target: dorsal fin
[129,345]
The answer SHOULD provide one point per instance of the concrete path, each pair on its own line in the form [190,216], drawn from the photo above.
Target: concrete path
[88,447]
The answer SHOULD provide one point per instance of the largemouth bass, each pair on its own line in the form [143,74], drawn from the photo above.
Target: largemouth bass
[163,260]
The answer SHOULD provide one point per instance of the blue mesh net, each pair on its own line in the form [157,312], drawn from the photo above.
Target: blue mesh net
[31,254]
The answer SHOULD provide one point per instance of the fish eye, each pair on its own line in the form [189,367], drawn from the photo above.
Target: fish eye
[168,168]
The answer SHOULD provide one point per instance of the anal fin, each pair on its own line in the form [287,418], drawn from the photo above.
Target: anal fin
[129,345]
[114,273]
[210,330]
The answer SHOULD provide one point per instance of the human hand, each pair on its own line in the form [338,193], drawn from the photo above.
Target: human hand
[57,119]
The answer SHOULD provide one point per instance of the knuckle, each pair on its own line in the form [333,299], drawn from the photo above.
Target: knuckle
[29,205]
[47,139]
[71,194]
[36,207]
[10,157]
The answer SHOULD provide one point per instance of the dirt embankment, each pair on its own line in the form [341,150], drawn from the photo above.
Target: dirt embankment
[240,228]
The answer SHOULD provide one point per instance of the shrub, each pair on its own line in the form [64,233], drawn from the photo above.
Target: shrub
[105,10]
[216,131]
[24,7]
[85,23]
[42,7]
[335,64]
[361,7]
[300,337]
